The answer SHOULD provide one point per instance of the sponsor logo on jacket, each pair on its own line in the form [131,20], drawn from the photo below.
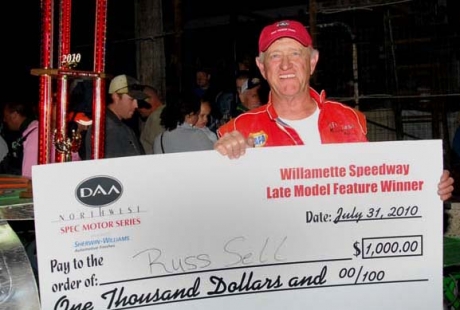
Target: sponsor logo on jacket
[260,138]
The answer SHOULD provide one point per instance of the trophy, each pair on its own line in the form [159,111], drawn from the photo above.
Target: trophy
[66,145]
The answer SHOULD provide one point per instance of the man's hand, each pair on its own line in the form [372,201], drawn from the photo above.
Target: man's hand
[233,144]
[445,186]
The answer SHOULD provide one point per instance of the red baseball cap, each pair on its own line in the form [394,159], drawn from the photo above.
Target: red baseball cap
[80,118]
[284,29]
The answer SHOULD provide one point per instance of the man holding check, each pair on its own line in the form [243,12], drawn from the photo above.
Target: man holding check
[295,113]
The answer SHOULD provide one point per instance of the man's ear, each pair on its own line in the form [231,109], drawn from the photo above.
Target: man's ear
[261,66]
[115,97]
[314,57]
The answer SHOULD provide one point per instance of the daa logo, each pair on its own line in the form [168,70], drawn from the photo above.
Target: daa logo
[99,191]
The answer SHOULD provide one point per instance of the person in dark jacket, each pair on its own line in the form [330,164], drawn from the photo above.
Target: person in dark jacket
[120,140]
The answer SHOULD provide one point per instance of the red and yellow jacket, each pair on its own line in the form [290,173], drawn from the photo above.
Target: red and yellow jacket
[337,123]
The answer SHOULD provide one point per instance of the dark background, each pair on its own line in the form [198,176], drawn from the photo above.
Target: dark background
[424,53]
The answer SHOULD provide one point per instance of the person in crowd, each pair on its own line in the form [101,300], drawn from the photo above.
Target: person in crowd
[120,140]
[19,117]
[248,95]
[152,126]
[228,100]
[203,83]
[3,148]
[203,119]
[295,113]
[241,77]
[179,118]
[246,63]
[208,87]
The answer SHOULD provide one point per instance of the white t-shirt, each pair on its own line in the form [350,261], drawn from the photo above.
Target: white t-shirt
[307,128]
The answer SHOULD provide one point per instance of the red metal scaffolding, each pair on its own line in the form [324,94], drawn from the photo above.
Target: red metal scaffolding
[62,74]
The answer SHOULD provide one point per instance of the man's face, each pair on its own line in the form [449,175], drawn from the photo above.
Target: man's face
[10,118]
[125,106]
[287,67]
[205,110]
[153,100]
[250,98]
[143,112]
[202,79]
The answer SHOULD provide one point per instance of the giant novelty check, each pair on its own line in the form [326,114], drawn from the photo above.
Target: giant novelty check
[348,226]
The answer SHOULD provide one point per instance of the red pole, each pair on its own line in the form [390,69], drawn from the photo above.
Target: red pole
[99,83]
[62,82]
[45,96]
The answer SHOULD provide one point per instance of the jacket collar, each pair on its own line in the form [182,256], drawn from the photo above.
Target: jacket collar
[320,98]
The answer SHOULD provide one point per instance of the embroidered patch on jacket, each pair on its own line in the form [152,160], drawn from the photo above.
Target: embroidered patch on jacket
[260,138]
[345,129]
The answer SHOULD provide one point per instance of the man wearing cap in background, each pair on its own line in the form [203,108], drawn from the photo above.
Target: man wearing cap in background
[120,139]
[295,113]
[248,95]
